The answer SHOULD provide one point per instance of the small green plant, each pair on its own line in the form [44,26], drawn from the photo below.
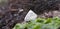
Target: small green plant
[40,23]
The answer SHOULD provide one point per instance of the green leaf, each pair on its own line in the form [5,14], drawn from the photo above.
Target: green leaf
[40,23]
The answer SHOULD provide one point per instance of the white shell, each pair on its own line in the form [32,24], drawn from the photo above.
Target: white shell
[30,16]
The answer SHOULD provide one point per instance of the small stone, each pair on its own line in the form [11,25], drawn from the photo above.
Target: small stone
[20,10]
[30,16]
[15,14]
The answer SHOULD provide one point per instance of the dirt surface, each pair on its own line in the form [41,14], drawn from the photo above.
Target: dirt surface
[50,14]
[11,13]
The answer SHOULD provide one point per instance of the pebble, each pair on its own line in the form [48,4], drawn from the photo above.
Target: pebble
[30,16]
